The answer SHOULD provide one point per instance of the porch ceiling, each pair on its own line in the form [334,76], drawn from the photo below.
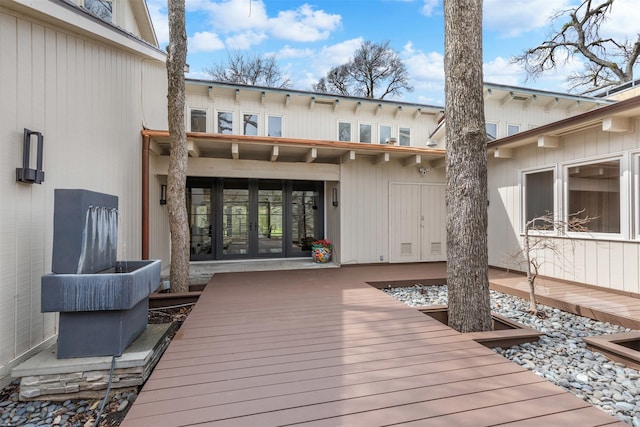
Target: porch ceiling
[288,149]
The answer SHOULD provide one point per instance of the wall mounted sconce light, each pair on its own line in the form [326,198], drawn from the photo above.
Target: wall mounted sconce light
[334,196]
[26,173]
[423,171]
[163,194]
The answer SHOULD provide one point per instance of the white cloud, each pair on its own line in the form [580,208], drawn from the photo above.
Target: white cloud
[623,20]
[232,16]
[337,54]
[303,24]
[244,40]
[423,67]
[429,6]
[204,42]
[288,52]
[503,71]
[512,18]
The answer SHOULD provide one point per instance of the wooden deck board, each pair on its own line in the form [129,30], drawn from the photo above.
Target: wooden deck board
[322,347]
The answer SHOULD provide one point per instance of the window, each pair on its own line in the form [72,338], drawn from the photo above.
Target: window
[365,133]
[101,8]
[250,124]
[512,129]
[198,120]
[594,190]
[385,134]
[274,126]
[492,130]
[405,136]
[538,197]
[344,131]
[225,122]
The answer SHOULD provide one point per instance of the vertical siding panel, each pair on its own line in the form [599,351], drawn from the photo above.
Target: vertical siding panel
[616,265]
[603,263]
[579,251]
[10,141]
[631,278]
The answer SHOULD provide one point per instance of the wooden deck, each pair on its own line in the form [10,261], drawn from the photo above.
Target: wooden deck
[322,348]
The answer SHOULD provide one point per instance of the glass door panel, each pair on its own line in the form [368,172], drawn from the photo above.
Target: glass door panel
[303,219]
[270,222]
[200,221]
[235,221]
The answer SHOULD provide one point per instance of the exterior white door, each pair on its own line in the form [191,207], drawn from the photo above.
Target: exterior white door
[417,222]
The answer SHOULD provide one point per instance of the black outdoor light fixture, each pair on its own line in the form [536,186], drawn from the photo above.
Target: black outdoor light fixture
[26,173]
[334,196]
[163,194]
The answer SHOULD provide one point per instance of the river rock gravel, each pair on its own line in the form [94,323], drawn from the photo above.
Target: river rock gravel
[560,356]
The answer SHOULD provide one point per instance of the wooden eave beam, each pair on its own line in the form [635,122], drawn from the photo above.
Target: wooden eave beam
[210,91]
[192,148]
[349,156]
[287,100]
[312,103]
[416,159]
[358,107]
[275,150]
[574,106]
[336,104]
[378,109]
[263,95]
[397,112]
[155,148]
[382,158]
[312,155]
[237,96]
[488,93]
[417,114]
[554,102]
[531,100]
[438,163]
[235,151]
[616,124]
[548,141]
[502,153]
[507,99]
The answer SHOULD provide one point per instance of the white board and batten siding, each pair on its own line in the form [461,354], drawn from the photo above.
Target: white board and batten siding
[87,99]
[606,261]
[381,204]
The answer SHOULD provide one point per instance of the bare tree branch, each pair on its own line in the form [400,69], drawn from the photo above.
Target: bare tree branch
[375,71]
[610,62]
[250,70]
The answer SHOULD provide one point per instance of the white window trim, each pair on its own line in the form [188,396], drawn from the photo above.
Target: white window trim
[625,203]
[373,135]
[266,125]
[513,124]
[410,135]
[380,125]
[557,212]
[233,121]
[490,122]
[206,124]
[249,113]
[634,161]
[339,122]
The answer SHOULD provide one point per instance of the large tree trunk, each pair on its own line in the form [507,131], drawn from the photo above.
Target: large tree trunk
[176,181]
[466,162]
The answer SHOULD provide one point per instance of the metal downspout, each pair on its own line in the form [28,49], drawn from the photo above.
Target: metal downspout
[146,140]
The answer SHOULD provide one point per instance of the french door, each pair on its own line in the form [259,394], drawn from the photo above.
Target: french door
[251,218]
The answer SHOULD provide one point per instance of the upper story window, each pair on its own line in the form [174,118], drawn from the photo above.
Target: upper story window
[538,198]
[225,122]
[365,133]
[405,136]
[384,134]
[101,8]
[593,189]
[492,130]
[274,126]
[344,131]
[512,129]
[250,124]
[198,120]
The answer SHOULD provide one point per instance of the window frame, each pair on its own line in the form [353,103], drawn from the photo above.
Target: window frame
[513,125]
[112,17]
[635,161]
[244,122]
[217,118]
[623,203]
[488,123]
[523,199]
[339,136]
[360,125]
[380,126]
[400,136]
[190,120]
[266,125]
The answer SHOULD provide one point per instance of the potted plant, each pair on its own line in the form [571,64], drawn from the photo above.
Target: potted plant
[321,250]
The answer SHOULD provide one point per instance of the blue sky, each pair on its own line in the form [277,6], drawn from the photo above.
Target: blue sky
[308,38]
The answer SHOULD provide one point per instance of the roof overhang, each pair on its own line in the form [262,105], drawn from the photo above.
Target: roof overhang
[271,149]
[609,118]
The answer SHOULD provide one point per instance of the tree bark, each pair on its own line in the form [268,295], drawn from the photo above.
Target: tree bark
[466,168]
[177,174]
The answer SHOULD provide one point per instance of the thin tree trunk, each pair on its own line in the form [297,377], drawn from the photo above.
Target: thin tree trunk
[466,168]
[177,175]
